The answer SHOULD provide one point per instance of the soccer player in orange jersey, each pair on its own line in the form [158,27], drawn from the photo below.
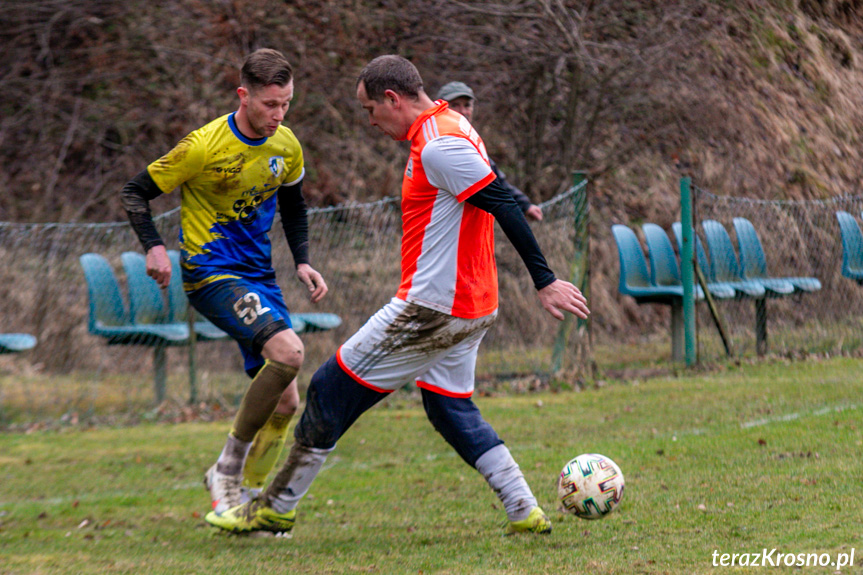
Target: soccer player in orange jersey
[430,331]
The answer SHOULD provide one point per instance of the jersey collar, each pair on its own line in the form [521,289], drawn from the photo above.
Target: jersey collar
[248,141]
[439,107]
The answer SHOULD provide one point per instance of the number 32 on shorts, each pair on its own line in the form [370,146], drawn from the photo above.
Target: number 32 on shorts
[248,308]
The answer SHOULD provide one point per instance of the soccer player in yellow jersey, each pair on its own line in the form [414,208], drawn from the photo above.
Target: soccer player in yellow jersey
[233,174]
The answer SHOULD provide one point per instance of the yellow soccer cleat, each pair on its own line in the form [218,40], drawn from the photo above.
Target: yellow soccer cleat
[252,516]
[536,522]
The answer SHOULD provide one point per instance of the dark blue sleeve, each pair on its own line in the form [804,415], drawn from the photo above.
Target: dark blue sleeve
[497,201]
[520,197]
[295,222]
[136,196]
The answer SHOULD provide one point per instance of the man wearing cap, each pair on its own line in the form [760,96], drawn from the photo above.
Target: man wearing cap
[461,98]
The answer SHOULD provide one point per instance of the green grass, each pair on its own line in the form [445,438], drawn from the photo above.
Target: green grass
[758,456]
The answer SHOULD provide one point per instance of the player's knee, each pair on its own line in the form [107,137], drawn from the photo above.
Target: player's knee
[285,347]
[460,423]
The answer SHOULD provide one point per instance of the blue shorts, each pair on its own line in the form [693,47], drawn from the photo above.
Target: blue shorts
[250,312]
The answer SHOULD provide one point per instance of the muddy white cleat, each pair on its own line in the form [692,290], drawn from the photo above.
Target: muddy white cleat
[224,489]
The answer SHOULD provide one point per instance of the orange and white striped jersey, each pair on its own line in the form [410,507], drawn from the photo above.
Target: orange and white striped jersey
[447,245]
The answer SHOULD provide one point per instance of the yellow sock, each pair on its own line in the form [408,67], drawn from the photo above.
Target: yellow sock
[265,450]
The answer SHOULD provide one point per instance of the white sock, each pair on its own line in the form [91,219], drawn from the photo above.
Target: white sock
[233,456]
[295,477]
[505,478]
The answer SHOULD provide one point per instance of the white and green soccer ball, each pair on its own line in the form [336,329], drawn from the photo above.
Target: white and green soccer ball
[590,486]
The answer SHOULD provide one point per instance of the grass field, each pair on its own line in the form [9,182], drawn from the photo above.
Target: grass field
[766,456]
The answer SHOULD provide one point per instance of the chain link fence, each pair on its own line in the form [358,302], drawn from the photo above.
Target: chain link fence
[355,246]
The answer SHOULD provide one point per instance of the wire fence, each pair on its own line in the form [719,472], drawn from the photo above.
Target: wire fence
[355,246]
[799,239]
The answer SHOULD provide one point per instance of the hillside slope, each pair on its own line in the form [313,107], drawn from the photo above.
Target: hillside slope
[759,98]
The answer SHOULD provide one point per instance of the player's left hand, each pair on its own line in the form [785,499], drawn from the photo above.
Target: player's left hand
[314,281]
[560,296]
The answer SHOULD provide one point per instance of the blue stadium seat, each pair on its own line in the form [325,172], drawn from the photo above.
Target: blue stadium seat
[635,281]
[723,262]
[852,246]
[204,329]
[16,342]
[664,269]
[109,318]
[314,322]
[178,304]
[753,263]
[634,278]
[718,290]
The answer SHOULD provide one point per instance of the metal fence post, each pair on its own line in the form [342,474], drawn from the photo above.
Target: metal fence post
[579,276]
[687,274]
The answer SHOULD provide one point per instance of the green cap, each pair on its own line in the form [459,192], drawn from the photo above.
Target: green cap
[453,90]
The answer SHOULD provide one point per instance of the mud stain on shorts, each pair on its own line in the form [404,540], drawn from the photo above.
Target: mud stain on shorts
[425,330]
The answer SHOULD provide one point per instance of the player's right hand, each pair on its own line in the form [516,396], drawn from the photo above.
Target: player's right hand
[560,296]
[314,281]
[159,266]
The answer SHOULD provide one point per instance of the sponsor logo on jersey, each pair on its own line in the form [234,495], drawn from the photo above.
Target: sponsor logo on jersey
[247,211]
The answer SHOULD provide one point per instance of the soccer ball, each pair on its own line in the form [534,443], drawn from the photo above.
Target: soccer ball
[590,486]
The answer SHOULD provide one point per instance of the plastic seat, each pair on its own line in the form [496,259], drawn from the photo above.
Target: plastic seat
[717,289]
[178,304]
[664,269]
[634,278]
[109,318]
[753,264]
[724,267]
[852,246]
[146,302]
[314,322]
[16,342]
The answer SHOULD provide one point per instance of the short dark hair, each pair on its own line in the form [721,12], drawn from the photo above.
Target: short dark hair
[264,67]
[390,72]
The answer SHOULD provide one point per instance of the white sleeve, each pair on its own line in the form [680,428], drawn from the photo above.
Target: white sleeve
[455,165]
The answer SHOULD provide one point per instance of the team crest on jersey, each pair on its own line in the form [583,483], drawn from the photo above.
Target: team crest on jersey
[276,163]
[409,171]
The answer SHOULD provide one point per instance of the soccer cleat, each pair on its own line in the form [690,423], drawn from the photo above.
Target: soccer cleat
[253,516]
[536,522]
[224,489]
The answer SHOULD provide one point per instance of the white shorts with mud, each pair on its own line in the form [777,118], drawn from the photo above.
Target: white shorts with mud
[405,342]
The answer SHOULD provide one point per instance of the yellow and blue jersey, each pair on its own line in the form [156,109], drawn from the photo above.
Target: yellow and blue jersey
[228,186]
